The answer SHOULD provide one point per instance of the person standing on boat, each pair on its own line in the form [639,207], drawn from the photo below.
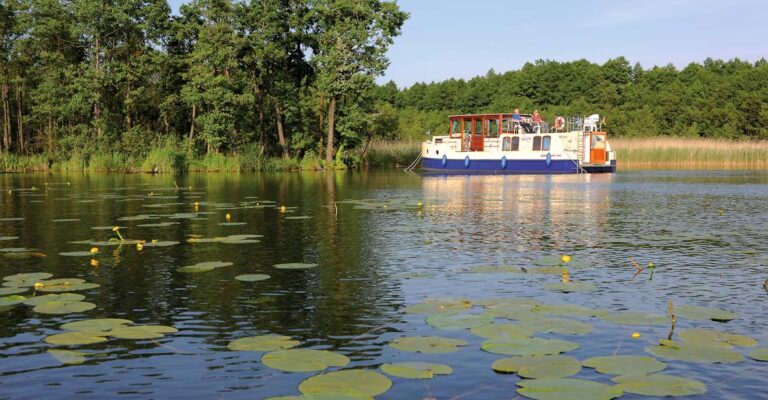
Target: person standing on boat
[516,116]
[536,121]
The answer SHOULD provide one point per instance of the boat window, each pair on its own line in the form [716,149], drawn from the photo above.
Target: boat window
[598,141]
[456,126]
[507,126]
[506,144]
[467,126]
[536,143]
[545,141]
[493,128]
[478,126]
[515,143]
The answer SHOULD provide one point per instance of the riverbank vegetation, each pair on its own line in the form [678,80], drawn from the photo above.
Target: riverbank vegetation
[236,85]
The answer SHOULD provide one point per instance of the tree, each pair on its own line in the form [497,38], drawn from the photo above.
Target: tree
[352,37]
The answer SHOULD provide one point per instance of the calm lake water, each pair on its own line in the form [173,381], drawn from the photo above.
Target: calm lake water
[377,252]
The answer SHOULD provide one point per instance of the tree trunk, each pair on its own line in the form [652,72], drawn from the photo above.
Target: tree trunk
[128,120]
[329,144]
[280,131]
[97,103]
[6,118]
[19,121]
[192,128]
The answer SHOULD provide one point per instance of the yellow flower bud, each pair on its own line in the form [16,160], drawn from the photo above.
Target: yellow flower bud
[566,258]
[635,335]
[39,285]
[94,250]
[139,246]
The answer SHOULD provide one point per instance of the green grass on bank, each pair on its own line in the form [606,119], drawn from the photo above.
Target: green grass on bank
[656,152]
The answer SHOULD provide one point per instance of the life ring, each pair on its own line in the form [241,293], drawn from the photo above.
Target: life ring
[559,123]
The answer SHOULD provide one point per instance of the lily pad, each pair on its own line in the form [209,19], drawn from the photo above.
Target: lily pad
[570,287]
[263,343]
[624,365]
[569,310]
[295,266]
[704,313]
[457,322]
[303,360]
[76,254]
[354,382]
[99,325]
[416,370]
[427,344]
[5,238]
[63,307]
[203,267]
[158,225]
[252,277]
[500,331]
[164,243]
[64,297]
[637,318]
[558,325]
[77,338]
[528,346]
[567,388]
[435,306]
[552,366]
[759,354]
[659,385]
[12,290]
[709,337]
[495,269]
[678,350]
[26,279]
[66,285]
[11,300]
[67,356]
[141,331]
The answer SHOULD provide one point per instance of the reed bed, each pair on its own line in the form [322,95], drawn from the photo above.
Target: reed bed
[391,153]
[689,153]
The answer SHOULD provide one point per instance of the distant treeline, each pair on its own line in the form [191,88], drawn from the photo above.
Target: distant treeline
[716,99]
[285,78]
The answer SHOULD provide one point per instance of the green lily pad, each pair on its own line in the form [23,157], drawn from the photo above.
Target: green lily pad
[67,356]
[457,322]
[76,254]
[12,290]
[263,343]
[637,318]
[252,277]
[354,382]
[416,370]
[513,311]
[567,388]
[11,300]
[203,267]
[554,260]
[500,331]
[570,287]
[704,313]
[659,385]
[77,338]
[5,238]
[558,325]
[164,243]
[568,310]
[141,331]
[528,346]
[64,297]
[506,302]
[624,365]
[158,225]
[303,360]
[678,350]
[545,270]
[495,269]
[295,266]
[98,325]
[26,279]
[66,220]
[427,344]
[437,306]
[298,217]
[709,337]
[63,307]
[552,366]
[759,354]
[65,285]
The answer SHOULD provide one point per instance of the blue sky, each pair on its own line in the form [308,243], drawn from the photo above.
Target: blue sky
[462,39]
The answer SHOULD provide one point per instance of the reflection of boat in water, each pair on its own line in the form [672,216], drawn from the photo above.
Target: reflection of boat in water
[497,143]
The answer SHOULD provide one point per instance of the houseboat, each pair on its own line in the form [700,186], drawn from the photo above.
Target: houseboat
[514,143]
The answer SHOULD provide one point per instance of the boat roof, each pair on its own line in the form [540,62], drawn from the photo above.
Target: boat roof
[487,116]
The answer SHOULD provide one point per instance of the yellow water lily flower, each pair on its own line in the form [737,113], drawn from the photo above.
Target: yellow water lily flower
[282,209]
[566,258]
[39,285]
[635,335]
[94,250]
[228,217]
[139,246]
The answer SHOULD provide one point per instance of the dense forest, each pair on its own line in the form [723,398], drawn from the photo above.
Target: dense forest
[125,84]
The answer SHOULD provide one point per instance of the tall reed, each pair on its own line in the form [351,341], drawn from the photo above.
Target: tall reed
[689,153]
